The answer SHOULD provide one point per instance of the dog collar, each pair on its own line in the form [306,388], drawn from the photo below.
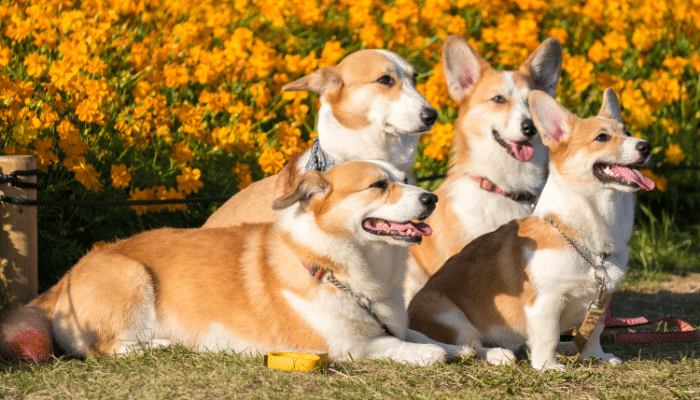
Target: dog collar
[318,159]
[315,271]
[492,187]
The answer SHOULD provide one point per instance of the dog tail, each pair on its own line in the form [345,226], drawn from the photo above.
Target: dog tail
[26,332]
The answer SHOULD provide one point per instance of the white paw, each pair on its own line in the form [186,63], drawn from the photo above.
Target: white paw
[499,356]
[606,358]
[548,366]
[428,354]
[465,351]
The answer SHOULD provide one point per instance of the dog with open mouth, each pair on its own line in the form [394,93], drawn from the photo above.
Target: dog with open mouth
[536,277]
[497,163]
[370,110]
[323,277]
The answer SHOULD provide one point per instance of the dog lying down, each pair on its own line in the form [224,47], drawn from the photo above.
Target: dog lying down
[249,289]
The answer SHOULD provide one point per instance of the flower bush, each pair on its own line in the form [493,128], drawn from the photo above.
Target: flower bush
[144,100]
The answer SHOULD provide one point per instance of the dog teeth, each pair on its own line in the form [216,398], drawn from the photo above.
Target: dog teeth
[607,170]
[411,231]
[382,224]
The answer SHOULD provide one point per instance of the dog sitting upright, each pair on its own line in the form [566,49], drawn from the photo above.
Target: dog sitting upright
[370,110]
[323,277]
[497,163]
[533,278]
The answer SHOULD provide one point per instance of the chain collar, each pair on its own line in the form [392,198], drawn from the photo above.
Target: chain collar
[599,269]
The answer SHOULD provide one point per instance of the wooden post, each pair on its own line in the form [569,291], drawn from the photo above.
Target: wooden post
[18,239]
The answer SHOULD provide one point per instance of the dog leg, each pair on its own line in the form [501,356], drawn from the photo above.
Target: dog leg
[543,332]
[593,348]
[111,312]
[389,347]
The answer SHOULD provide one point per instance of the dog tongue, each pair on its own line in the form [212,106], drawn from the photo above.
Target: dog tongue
[633,175]
[523,151]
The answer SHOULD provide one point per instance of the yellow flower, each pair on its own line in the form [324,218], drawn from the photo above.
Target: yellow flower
[120,176]
[188,180]
[5,56]
[243,175]
[271,161]
[182,153]
[675,154]
[44,152]
[597,52]
[86,174]
[146,194]
[36,65]
[332,52]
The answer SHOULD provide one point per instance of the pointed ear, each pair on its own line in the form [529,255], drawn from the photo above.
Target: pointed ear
[462,67]
[544,65]
[322,81]
[551,119]
[312,184]
[611,106]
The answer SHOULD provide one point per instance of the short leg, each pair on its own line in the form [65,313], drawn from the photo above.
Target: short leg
[543,333]
[389,347]
[593,348]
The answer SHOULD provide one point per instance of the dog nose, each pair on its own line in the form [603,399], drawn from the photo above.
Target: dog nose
[428,116]
[528,128]
[644,148]
[428,200]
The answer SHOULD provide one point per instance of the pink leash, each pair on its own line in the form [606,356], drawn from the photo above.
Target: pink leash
[687,332]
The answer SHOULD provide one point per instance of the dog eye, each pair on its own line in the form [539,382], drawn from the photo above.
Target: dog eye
[381,185]
[386,80]
[603,137]
[498,99]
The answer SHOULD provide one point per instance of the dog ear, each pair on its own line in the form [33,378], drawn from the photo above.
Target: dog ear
[462,67]
[544,65]
[311,185]
[611,106]
[323,81]
[551,119]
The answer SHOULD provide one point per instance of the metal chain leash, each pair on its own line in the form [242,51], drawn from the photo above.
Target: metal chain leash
[363,302]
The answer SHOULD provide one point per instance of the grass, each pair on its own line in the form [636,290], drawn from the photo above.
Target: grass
[179,373]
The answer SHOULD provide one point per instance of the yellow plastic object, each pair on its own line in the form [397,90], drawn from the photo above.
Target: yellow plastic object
[306,361]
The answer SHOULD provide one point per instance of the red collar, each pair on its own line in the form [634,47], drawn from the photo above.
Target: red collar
[315,271]
[491,187]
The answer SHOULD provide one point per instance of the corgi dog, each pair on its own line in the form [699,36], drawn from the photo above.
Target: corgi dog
[370,110]
[322,277]
[497,162]
[535,277]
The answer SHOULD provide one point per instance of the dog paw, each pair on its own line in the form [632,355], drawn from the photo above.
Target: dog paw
[465,351]
[428,354]
[548,366]
[609,359]
[499,356]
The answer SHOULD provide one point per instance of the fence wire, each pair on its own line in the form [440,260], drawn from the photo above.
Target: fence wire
[13,179]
